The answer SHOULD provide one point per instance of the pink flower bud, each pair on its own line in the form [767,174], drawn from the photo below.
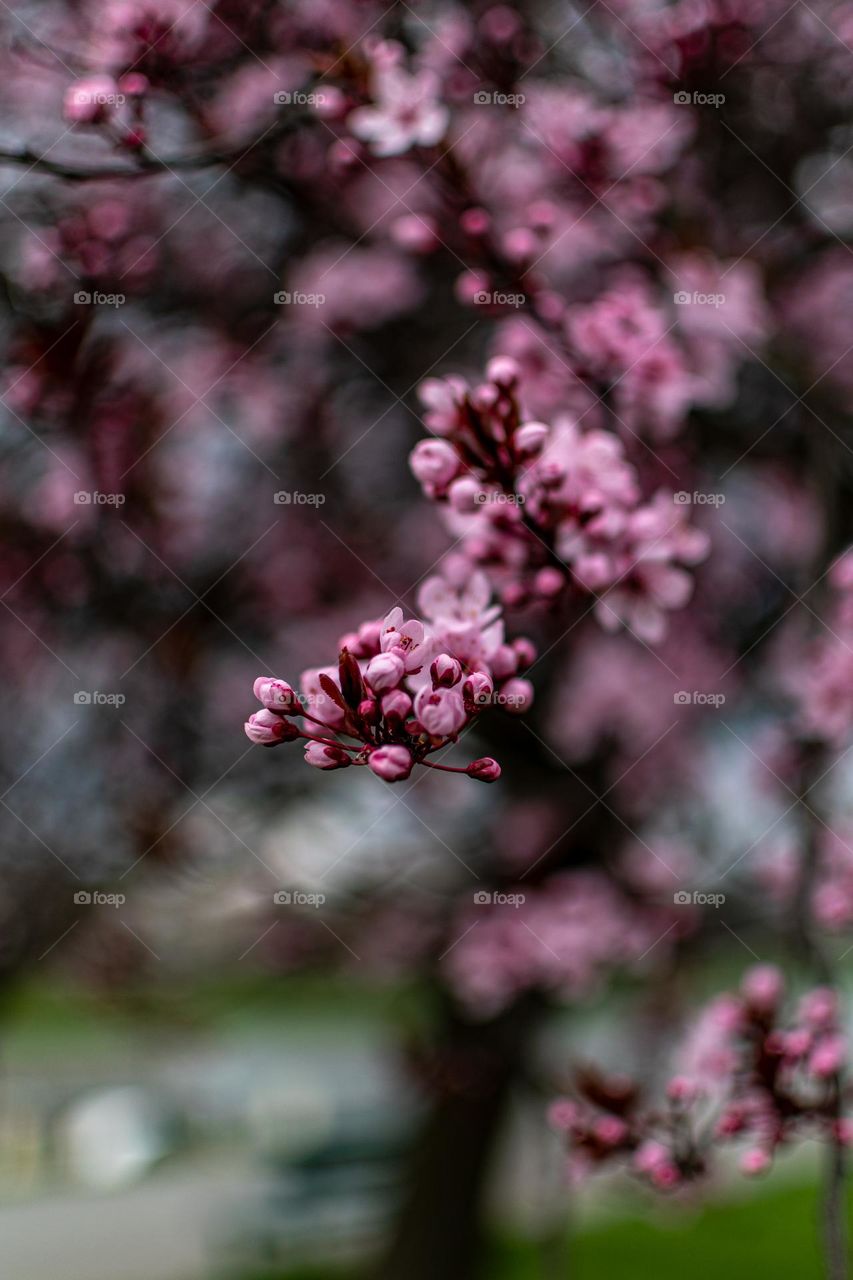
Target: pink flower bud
[276,695]
[415,232]
[755,1162]
[445,671]
[681,1089]
[515,696]
[819,1008]
[475,222]
[434,462]
[477,689]
[504,662]
[525,651]
[828,1056]
[470,286]
[324,756]
[520,244]
[268,729]
[514,595]
[396,705]
[369,634]
[650,1155]
[610,1130]
[485,397]
[331,103]
[665,1176]
[463,494]
[530,437]
[796,1043]
[484,770]
[762,987]
[88,101]
[440,711]
[549,582]
[369,710]
[562,1114]
[391,764]
[503,370]
[134,84]
[385,671]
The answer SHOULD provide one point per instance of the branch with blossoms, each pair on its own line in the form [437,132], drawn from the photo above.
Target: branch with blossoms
[548,510]
[402,689]
[743,1073]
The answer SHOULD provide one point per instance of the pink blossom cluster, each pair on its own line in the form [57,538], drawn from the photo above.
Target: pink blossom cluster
[402,688]
[566,935]
[741,1073]
[831,891]
[545,508]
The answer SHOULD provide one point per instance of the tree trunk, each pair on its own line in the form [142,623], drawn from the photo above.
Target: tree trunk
[440,1232]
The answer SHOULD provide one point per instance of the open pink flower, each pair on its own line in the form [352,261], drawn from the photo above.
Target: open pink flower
[406,112]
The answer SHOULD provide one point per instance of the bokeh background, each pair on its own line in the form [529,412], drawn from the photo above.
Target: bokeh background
[247,1007]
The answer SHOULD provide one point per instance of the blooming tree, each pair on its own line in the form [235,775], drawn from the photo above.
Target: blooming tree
[590,274]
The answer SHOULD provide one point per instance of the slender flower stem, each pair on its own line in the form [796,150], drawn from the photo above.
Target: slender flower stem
[445,768]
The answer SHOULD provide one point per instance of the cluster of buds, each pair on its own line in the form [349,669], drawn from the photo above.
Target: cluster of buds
[545,507]
[402,690]
[98,100]
[745,1076]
